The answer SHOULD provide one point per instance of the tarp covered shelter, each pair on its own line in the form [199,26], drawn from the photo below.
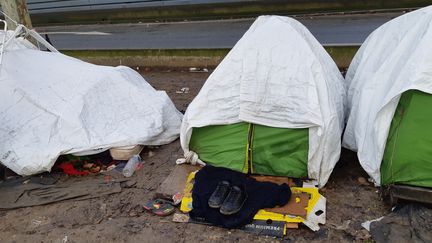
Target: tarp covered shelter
[273,106]
[52,104]
[389,101]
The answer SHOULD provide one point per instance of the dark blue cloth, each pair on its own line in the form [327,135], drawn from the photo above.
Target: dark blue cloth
[259,195]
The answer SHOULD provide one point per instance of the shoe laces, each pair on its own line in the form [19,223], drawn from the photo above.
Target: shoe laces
[234,195]
[219,190]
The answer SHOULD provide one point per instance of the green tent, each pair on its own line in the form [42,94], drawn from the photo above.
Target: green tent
[389,96]
[273,106]
[252,148]
[408,154]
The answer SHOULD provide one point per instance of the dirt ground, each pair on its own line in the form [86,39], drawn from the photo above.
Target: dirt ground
[121,218]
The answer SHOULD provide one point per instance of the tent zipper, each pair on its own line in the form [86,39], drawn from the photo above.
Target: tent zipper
[249,148]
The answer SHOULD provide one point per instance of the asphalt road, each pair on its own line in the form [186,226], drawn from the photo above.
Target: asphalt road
[329,30]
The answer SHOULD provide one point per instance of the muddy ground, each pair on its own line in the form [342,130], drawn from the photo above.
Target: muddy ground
[120,217]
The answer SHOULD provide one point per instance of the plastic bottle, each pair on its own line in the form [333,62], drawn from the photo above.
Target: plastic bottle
[131,165]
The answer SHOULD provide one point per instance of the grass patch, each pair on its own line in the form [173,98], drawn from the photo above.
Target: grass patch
[342,55]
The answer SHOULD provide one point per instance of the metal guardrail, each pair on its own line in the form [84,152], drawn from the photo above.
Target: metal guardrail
[52,6]
[51,12]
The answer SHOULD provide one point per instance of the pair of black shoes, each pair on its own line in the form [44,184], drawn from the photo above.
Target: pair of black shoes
[229,199]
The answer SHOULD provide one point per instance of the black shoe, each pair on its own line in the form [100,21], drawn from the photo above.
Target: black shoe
[219,195]
[234,201]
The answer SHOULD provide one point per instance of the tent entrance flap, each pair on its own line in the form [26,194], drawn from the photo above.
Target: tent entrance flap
[252,148]
[221,145]
[408,154]
[281,151]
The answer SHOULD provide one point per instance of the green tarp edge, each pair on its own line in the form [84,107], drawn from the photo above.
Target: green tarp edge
[408,154]
[275,151]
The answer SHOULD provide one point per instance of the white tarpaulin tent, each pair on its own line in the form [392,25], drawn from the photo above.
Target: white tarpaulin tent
[277,75]
[52,104]
[395,58]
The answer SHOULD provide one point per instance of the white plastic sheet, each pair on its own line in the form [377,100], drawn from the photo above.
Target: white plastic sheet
[52,104]
[277,75]
[395,58]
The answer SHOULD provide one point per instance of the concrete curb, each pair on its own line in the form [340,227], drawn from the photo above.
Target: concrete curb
[183,58]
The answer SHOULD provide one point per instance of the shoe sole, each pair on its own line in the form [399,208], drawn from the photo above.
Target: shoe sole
[214,206]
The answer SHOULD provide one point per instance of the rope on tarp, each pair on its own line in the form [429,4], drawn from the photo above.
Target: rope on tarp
[190,157]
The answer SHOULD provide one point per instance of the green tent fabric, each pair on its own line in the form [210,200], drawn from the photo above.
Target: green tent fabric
[280,151]
[274,151]
[221,145]
[408,154]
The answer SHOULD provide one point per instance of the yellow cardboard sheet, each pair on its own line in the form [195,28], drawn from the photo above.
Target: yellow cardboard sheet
[186,204]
